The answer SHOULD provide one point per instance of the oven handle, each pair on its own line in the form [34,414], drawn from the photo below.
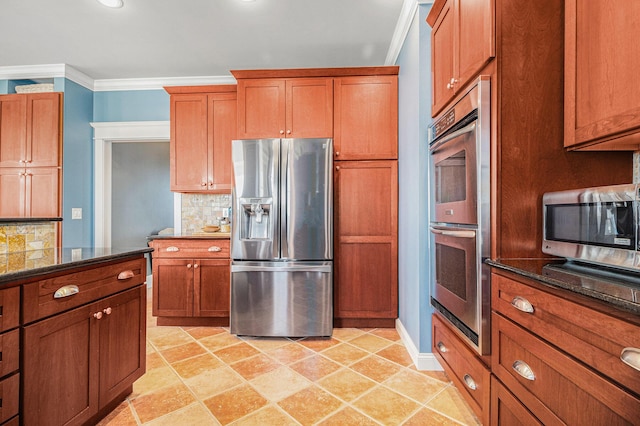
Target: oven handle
[457,234]
[466,129]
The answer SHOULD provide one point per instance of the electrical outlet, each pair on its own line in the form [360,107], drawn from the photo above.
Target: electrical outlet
[76,213]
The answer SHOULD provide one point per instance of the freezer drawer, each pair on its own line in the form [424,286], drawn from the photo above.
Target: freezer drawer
[286,299]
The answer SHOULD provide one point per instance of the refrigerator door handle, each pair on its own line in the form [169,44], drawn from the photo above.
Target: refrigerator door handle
[285,152]
[283,268]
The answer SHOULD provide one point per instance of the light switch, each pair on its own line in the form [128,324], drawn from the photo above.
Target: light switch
[76,213]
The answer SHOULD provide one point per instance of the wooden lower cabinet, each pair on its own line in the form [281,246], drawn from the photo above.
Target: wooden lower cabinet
[191,281]
[9,354]
[561,358]
[77,362]
[464,367]
[506,410]
[366,243]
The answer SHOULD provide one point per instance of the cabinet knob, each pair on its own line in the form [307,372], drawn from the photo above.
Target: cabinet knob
[523,369]
[449,86]
[522,304]
[288,132]
[337,153]
[203,183]
[471,384]
[282,132]
[337,167]
[97,315]
[107,311]
[441,347]
[210,183]
[188,266]
[195,265]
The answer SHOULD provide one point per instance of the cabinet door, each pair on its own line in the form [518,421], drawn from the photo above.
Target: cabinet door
[122,342]
[475,38]
[12,192]
[506,410]
[211,288]
[602,58]
[366,118]
[60,369]
[42,189]
[189,142]
[261,108]
[43,129]
[222,130]
[173,287]
[13,130]
[309,108]
[442,51]
[366,239]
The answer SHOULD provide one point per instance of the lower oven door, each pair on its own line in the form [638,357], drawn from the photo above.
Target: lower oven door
[456,277]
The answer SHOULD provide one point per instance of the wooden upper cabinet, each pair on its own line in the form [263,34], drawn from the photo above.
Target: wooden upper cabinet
[291,108]
[602,58]
[463,41]
[30,130]
[202,128]
[366,118]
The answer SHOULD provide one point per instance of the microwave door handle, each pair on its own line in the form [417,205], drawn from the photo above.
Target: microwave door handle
[457,234]
[466,129]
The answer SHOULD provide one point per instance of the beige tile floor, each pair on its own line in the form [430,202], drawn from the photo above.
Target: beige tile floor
[206,376]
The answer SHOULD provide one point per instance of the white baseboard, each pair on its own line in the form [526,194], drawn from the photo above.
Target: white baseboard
[422,361]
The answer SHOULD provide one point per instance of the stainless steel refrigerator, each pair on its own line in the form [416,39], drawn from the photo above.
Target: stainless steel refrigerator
[282,238]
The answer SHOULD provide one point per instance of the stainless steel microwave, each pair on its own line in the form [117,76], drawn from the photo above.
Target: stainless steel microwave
[594,225]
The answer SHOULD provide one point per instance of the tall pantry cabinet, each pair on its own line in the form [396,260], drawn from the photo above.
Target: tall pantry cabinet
[30,155]
[358,108]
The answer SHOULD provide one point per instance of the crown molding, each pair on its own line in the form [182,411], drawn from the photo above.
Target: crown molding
[408,11]
[46,71]
[159,83]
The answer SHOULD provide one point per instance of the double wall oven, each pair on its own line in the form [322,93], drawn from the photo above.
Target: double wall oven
[459,146]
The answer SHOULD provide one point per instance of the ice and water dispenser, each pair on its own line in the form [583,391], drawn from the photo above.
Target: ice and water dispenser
[255,218]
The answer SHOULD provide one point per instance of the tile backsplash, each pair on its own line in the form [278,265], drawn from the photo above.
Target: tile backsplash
[27,237]
[636,167]
[199,210]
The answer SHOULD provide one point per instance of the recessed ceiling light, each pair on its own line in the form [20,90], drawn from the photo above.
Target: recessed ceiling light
[112,3]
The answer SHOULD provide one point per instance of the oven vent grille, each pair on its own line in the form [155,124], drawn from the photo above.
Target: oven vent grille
[455,321]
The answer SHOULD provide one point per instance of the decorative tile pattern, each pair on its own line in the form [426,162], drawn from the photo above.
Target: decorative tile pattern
[205,376]
[199,210]
[27,246]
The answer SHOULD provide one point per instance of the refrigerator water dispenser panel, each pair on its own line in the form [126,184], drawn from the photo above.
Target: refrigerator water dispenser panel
[255,220]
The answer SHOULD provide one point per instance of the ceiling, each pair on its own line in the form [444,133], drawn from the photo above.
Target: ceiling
[186,38]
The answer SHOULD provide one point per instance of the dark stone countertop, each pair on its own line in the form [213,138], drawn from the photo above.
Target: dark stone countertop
[196,236]
[27,220]
[618,288]
[17,266]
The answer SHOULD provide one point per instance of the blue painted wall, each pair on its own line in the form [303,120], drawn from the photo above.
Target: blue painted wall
[131,105]
[77,163]
[414,114]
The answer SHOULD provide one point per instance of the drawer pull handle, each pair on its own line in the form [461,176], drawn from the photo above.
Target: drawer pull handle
[631,357]
[214,248]
[173,248]
[442,348]
[66,291]
[522,304]
[468,380]
[125,275]
[523,369]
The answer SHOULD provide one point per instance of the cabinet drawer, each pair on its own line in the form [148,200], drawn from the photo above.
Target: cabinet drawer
[191,248]
[9,308]
[40,301]
[506,410]
[9,396]
[596,338]
[467,371]
[9,352]
[556,388]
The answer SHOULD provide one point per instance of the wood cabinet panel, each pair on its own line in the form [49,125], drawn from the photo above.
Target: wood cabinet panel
[10,308]
[10,352]
[506,410]
[10,398]
[366,118]
[42,188]
[292,108]
[212,288]
[442,51]
[594,337]
[463,366]
[173,287]
[556,384]
[202,128]
[13,130]
[602,59]
[366,263]
[44,129]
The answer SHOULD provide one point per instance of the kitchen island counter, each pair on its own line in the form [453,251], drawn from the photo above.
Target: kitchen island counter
[619,289]
[18,267]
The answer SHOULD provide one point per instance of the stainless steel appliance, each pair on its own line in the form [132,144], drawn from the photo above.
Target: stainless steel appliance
[593,225]
[282,238]
[459,145]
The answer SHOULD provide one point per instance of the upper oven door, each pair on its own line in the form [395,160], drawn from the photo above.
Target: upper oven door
[455,176]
